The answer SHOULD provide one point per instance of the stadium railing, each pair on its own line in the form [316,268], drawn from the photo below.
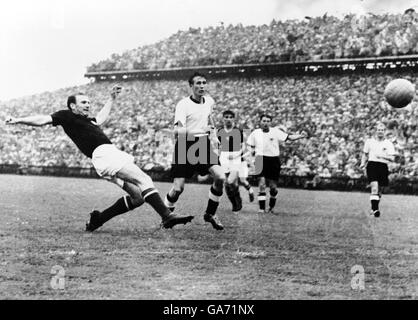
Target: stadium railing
[265,69]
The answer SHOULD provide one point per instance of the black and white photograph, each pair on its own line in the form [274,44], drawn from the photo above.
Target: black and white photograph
[209,154]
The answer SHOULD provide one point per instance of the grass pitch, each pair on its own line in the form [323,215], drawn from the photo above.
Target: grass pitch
[306,251]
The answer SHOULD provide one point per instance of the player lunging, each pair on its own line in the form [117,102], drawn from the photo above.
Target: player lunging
[264,144]
[110,163]
[377,153]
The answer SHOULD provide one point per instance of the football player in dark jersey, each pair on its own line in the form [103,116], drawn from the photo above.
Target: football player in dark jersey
[231,140]
[110,163]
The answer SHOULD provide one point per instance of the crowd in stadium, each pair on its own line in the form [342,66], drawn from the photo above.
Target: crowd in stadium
[313,38]
[337,111]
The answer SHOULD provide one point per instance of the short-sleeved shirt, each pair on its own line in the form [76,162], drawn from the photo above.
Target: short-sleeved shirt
[376,148]
[192,114]
[82,130]
[267,143]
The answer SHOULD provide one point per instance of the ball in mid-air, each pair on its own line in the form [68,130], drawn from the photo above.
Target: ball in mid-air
[399,93]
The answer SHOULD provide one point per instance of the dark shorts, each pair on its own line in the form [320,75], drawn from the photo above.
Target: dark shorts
[378,171]
[192,157]
[267,167]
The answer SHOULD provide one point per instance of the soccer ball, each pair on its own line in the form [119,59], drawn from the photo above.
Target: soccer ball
[399,93]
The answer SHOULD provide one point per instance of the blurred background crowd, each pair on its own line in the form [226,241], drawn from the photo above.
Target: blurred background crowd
[313,38]
[337,111]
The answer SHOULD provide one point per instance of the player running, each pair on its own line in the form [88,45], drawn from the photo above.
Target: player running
[377,153]
[232,150]
[196,147]
[264,144]
[110,163]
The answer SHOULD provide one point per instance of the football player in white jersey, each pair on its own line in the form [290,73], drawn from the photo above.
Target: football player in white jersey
[196,147]
[264,143]
[377,153]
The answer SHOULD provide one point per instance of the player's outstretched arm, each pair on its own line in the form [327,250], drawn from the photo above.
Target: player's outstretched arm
[103,114]
[389,157]
[294,137]
[37,120]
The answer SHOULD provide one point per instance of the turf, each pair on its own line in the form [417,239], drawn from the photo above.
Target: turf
[305,251]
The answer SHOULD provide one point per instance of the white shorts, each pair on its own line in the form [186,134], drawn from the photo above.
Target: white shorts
[243,171]
[230,165]
[108,160]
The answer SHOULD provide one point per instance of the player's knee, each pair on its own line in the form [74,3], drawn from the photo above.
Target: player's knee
[231,181]
[178,190]
[146,181]
[137,201]
[220,176]
[220,180]
[374,187]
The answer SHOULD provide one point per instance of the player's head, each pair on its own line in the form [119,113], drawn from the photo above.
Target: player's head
[380,130]
[228,117]
[265,121]
[79,103]
[197,83]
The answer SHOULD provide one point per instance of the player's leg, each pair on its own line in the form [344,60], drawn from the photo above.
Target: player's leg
[227,168]
[126,203]
[232,190]
[174,193]
[243,175]
[215,194]
[262,194]
[377,175]
[259,167]
[375,198]
[244,182]
[132,173]
[273,194]
[382,182]
[272,173]
[228,191]
[236,190]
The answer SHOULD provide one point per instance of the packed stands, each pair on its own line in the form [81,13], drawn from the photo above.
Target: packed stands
[337,111]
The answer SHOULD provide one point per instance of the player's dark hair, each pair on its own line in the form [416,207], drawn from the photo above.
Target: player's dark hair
[194,75]
[265,115]
[73,99]
[228,112]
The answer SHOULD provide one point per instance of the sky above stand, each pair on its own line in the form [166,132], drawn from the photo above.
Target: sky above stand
[48,44]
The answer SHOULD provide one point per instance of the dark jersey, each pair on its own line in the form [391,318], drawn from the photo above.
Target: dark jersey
[85,134]
[230,140]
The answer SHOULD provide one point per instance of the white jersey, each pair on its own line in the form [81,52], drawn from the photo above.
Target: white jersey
[193,115]
[376,148]
[267,143]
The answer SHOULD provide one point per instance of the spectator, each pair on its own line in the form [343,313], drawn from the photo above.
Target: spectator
[335,108]
[324,37]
